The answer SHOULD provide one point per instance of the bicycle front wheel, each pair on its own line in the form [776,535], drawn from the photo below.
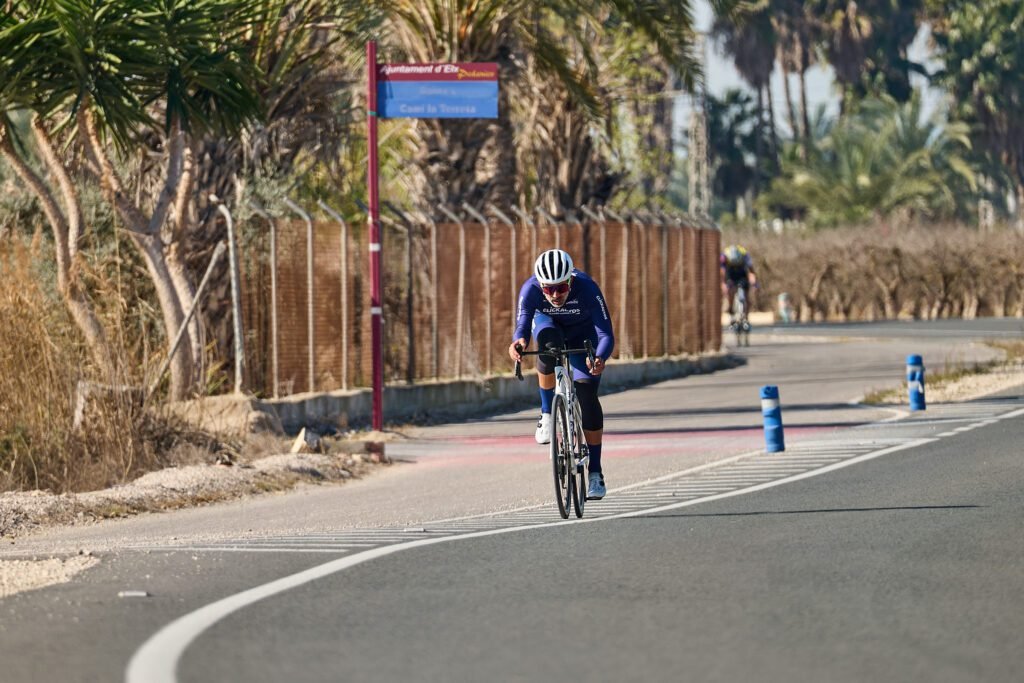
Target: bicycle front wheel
[562,464]
[579,485]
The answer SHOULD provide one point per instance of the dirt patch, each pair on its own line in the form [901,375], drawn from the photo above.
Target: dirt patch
[23,575]
[173,488]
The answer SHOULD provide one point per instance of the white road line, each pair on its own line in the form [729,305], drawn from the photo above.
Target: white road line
[156,661]
[825,457]
[240,549]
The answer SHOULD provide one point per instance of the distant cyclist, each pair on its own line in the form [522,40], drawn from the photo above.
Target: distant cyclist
[737,270]
[559,304]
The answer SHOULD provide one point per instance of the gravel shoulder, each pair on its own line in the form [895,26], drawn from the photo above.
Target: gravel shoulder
[327,462]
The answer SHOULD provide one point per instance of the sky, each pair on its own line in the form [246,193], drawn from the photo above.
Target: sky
[722,76]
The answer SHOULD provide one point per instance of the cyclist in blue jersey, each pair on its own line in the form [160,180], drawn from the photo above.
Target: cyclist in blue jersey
[559,304]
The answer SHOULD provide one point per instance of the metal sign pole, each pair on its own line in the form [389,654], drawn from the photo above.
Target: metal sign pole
[376,306]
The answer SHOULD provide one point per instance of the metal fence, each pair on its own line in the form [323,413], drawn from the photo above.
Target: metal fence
[450,293]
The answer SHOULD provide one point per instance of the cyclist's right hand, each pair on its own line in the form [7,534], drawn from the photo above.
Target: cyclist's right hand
[515,347]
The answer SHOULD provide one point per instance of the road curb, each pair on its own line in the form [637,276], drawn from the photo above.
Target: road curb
[461,399]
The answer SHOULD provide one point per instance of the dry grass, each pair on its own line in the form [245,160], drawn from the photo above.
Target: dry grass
[42,361]
[1014,349]
[952,372]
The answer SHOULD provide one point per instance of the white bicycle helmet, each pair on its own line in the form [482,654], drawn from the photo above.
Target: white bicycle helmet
[552,267]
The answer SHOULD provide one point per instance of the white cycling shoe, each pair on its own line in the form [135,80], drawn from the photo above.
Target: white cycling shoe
[543,434]
[596,490]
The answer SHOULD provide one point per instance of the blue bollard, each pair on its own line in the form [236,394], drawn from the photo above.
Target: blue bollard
[915,381]
[772,412]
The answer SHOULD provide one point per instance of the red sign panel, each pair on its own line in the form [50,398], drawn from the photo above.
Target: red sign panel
[465,71]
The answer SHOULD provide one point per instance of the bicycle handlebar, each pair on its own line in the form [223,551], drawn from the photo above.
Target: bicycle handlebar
[588,349]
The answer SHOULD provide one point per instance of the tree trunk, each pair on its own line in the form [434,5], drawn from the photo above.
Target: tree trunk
[186,296]
[176,261]
[660,133]
[145,234]
[774,129]
[151,248]
[890,301]
[804,64]
[503,192]
[74,297]
[790,111]
[1020,207]
[759,141]
[814,293]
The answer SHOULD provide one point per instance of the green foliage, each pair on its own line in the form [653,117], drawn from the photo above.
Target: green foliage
[866,43]
[570,70]
[733,145]
[980,45]
[127,55]
[881,159]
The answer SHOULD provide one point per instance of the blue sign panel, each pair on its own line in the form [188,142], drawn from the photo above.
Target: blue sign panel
[438,99]
[438,91]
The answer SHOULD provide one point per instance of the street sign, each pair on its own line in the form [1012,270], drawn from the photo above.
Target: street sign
[467,90]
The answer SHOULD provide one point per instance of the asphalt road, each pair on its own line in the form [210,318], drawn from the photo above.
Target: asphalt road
[908,567]
[870,550]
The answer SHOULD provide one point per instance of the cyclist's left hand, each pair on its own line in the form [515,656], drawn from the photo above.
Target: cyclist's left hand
[597,367]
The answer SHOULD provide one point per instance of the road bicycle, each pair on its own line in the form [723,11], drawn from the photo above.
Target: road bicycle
[568,450]
[740,325]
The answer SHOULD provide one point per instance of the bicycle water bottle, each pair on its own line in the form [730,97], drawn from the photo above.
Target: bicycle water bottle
[915,382]
[772,413]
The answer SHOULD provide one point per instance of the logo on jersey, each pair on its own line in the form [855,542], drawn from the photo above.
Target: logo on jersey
[561,311]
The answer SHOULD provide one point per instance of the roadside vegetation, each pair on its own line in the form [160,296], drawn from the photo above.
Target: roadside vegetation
[952,372]
[44,380]
[890,270]
[125,123]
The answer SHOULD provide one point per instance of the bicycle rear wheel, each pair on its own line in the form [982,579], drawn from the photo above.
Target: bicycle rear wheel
[740,325]
[562,465]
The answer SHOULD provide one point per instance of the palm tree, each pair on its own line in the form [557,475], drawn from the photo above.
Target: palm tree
[752,45]
[109,73]
[309,53]
[733,138]
[876,161]
[979,45]
[797,29]
[866,43]
[24,33]
[557,39]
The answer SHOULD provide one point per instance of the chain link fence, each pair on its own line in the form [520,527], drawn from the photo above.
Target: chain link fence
[450,291]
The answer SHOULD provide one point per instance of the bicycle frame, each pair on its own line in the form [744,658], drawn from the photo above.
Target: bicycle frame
[740,305]
[739,323]
[565,388]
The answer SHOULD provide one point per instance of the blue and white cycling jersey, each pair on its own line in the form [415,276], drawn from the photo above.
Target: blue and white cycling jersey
[584,315]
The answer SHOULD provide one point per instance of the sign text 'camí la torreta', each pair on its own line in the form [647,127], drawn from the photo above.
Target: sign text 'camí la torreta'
[438,91]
